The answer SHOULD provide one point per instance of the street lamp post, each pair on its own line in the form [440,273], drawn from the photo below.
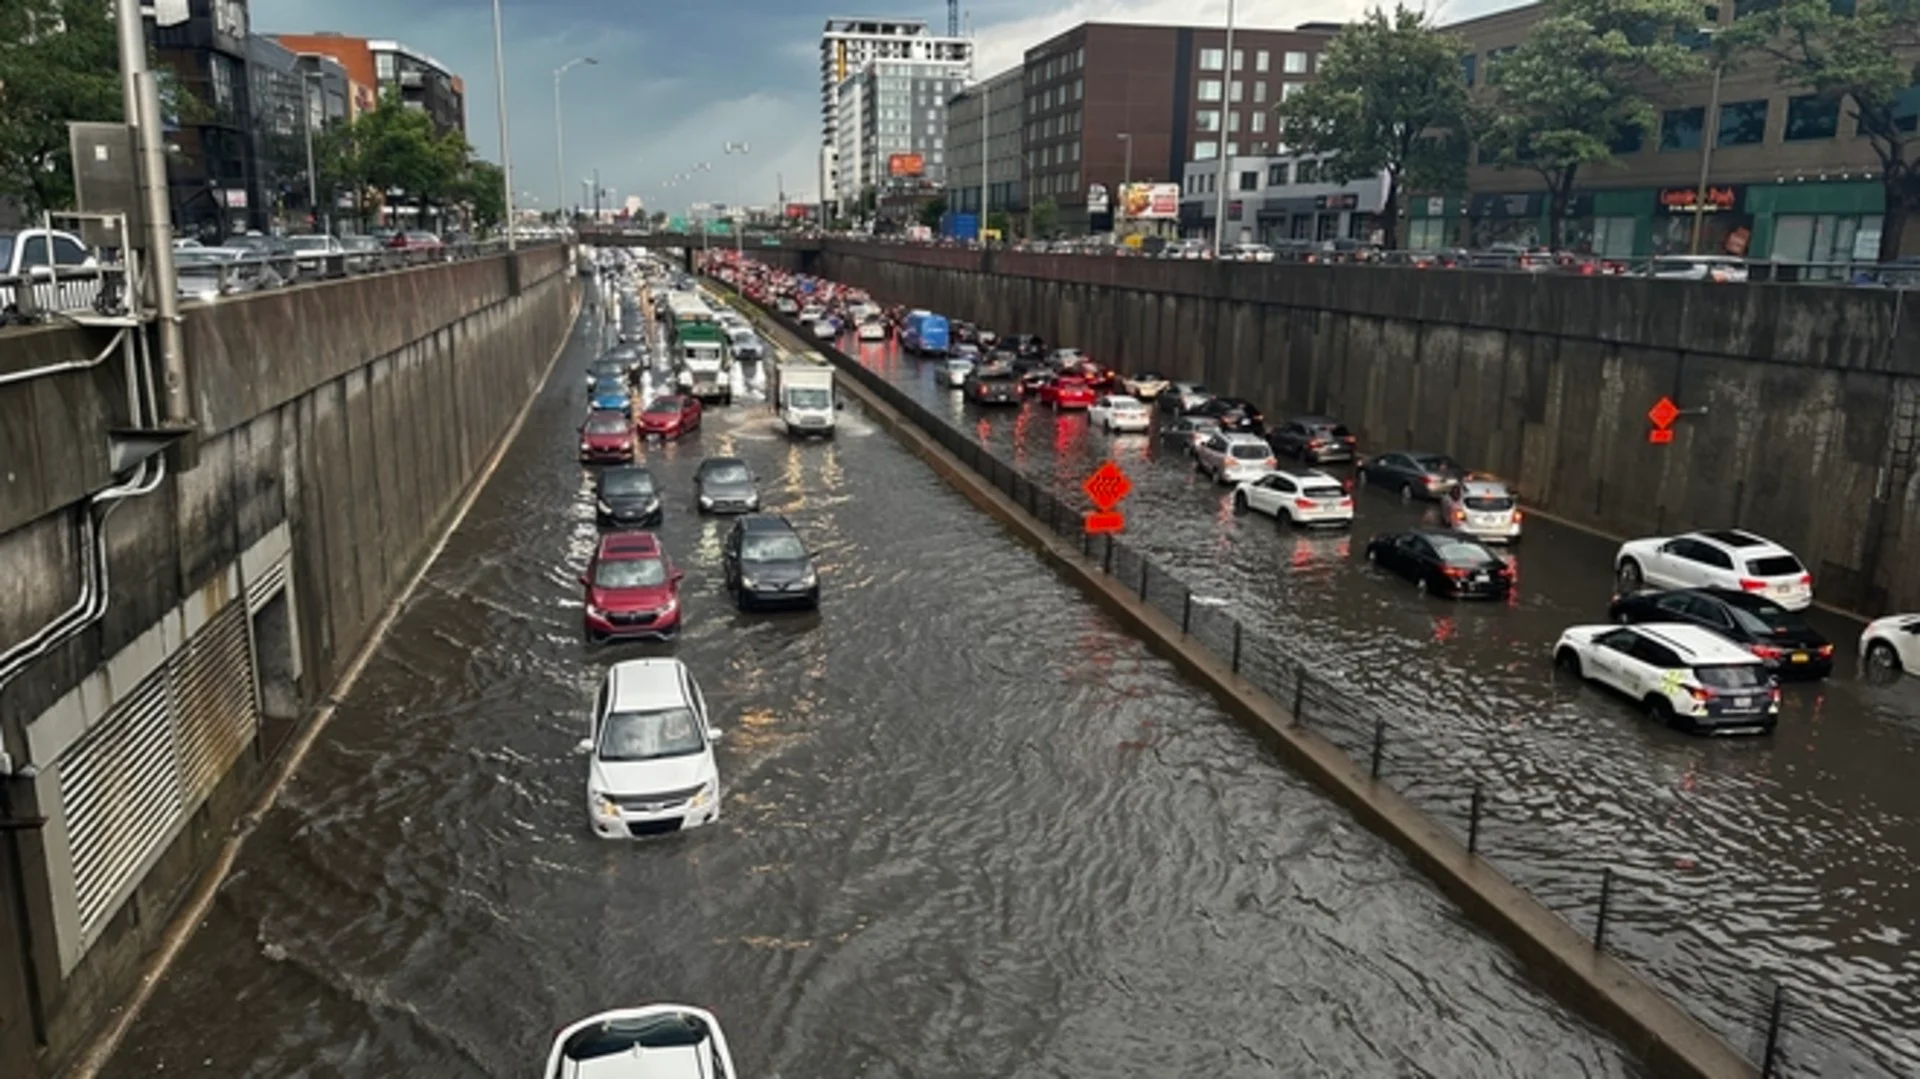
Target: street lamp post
[986,160]
[306,121]
[506,145]
[1709,133]
[1220,202]
[560,128]
[1126,181]
[739,222]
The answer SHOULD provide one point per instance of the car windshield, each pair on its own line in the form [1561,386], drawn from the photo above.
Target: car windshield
[609,385]
[1248,451]
[1338,430]
[646,736]
[724,472]
[1768,621]
[1464,554]
[1489,503]
[626,484]
[1731,676]
[810,397]
[606,425]
[630,573]
[1434,462]
[1780,565]
[772,547]
[666,405]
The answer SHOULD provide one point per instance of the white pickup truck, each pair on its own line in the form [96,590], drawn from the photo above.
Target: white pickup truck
[45,270]
[803,394]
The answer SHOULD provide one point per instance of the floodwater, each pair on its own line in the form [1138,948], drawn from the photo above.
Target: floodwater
[971,829]
[1741,863]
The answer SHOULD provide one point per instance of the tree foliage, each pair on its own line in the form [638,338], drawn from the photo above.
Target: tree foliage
[394,148]
[59,61]
[1389,99]
[1042,218]
[932,211]
[1580,82]
[484,192]
[1863,61]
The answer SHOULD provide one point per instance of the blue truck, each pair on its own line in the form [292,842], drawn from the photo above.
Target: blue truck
[924,333]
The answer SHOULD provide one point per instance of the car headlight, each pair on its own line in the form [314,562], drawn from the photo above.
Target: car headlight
[602,805]
[706,501]
[749,582]
[810,580]
[652,504]
[595,612]
[704,795]
[601,504]
[585,445]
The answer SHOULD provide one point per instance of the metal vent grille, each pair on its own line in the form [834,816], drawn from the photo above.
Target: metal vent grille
[215,710]
[120,790]
[260,591]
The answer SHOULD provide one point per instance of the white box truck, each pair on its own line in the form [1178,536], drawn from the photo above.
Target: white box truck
[803,396]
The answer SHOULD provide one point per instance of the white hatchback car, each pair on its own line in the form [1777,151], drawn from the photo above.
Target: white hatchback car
[1892,644]
[1684,676]
[1146,385]
[1231,457]
[873,330]
[657,1041]
[1118,412]
[1484,508]
[1304,498]
[651,769]
[1718,558]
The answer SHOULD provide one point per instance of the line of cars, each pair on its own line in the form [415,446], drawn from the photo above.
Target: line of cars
[1702,630]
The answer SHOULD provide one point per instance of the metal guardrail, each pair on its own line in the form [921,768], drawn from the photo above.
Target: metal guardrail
[1404,754]
[28,299]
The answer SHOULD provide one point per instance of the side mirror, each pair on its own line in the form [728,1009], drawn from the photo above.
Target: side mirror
[679,575]
[583,578]
[583,747]
[714,734]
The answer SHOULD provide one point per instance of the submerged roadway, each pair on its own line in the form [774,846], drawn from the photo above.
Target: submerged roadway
[971,828]
[1792,857]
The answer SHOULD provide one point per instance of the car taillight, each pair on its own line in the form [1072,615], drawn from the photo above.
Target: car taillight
[1748,584]
[1518,516]
[1773,694]
[1314,444]
[1304,503]
[1432,479]
[1454,571]
[1459,515]
[1807,579]
[1826,650]
[1700,693]
[1346,503]
[1347,486]
[1766,651]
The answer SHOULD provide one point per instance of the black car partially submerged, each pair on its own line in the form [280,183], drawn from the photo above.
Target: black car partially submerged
[1446,563]
[627,497]
[768,564]
[1790,647]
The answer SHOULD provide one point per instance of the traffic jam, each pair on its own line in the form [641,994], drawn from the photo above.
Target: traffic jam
[1701,633]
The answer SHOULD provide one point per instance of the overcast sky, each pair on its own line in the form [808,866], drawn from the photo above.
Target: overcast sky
[677,81]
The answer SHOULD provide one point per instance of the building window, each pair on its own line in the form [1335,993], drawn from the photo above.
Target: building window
[1262,60]
[1079,89]
[1076,151]
[1233,121]
[1743,123]
[1288,89]
[1207,120]
[1239,59]
[1206,150]
[1080,58]
[1257,122]
[1277,175]
[1307,172]
[1233,149]
[1295,63]
[1250,181]
[1680,128]
[1212,59]
[1210,89]
[1236,91]
[1630,140]
[1812,117]
[1259,93]
[1468,64]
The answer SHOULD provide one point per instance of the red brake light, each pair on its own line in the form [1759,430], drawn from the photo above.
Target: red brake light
[1454,571]
[1700,693]
[1346,503]
[1748,584]
[1807,579]
[1459,515]
[1314,443]
[1518,516]
[1766,651]
[1826,650]
[1303,503]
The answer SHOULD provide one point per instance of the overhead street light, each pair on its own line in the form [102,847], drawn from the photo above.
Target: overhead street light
[1220,202]
[560,128]
[506,145]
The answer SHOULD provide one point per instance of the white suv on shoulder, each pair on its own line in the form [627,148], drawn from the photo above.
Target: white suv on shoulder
[650,748]
[1892,644]
[1684,676]
[1718,558]
[1230,457]
[1304,498]
[657,1041]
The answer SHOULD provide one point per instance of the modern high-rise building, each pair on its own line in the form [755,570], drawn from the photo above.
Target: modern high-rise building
[421,81]
[848,46]
[890,135]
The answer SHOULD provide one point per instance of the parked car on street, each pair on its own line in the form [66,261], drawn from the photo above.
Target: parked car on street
[1414,474]
[1784,641]
[1443,563]
[1314,440]
[1302,498]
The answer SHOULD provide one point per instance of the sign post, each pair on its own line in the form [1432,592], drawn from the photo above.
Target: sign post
[1106,487]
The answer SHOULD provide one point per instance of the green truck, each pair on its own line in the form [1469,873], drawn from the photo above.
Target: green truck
[703,361]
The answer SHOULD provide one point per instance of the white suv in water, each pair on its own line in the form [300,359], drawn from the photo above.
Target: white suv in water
[1684,676]
[1231,457]
[651,769]
[656,1041]
[1719,558]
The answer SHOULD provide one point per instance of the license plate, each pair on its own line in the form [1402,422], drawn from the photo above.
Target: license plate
[1783,589]
[1799,657]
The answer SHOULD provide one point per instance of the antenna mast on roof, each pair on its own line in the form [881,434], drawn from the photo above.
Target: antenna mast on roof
[953,18]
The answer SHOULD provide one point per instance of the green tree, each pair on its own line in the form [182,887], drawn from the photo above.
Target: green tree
[1580,82]
[1862,61]
[59,61]
[1042,217]
[932,211]
[997,222]
[485,193]
[1390,98]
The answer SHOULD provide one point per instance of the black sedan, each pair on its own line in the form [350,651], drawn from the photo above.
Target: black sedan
[1027,346]
[606,367]
[768,564]
[1413,474]
[1790,647]
[1446,563]
[1234,414]
[1313,439]
[627,498]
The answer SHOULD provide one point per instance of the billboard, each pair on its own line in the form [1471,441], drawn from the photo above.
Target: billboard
[909,165]
[1150,200]
[798,210]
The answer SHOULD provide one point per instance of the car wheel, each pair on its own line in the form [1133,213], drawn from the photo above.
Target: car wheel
[1660,710]
[1629,577]
[1882,656]
[1567,660]
[1406,493]
[1239,502]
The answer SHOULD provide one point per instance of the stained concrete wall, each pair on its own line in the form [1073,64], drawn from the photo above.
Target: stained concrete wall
[356,412]
[1811,394]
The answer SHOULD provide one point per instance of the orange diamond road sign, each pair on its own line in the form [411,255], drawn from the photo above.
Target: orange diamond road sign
[1107,486]
[1663,413]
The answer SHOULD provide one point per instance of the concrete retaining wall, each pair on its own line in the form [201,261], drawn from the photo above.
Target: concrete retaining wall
[1811,394]
[353,412]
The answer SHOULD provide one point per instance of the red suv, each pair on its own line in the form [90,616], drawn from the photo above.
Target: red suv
[606,436]
[670,416]
[633,591]
[1067,392]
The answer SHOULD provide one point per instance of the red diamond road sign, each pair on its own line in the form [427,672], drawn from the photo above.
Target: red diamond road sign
[1663,413]
[1107,486]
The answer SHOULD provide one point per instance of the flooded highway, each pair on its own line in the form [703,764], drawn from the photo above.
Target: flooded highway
[1739,861]
[970,828]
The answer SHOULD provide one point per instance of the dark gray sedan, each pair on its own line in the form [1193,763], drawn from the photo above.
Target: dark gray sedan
[726,485]
[1412,473]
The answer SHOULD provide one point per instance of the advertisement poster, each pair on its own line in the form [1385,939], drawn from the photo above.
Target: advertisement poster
[1151,201]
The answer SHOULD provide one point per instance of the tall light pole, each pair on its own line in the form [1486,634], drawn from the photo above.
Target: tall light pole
[986,159]
[1126,181]
[142,103]
[306,121]
[739,220]
[506,146]
[1709,133]
[1220,203]
[560,130]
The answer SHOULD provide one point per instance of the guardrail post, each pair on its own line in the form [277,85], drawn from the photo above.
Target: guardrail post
[1474,809]
[1776,1014]
[1299,694]
[1236,646]
[1379,746]
[1606,901]
[1143,580]
[1186,612]
[1106,564]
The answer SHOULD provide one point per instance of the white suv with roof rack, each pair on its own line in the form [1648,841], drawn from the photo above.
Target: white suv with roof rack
[1716,558]
[1304,498]
[1684,676]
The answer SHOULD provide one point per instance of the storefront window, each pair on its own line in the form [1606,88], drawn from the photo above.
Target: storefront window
[1488,231]
[1720,234]
[1327,226]
[1426,233]
[1823,241]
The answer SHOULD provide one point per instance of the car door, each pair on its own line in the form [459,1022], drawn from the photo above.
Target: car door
[1213,452]
[1100,411]
[1265,494]
[730,557]
[1711,614]
[689,414]
[1608,659]
[1388,470]
[1674,564]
